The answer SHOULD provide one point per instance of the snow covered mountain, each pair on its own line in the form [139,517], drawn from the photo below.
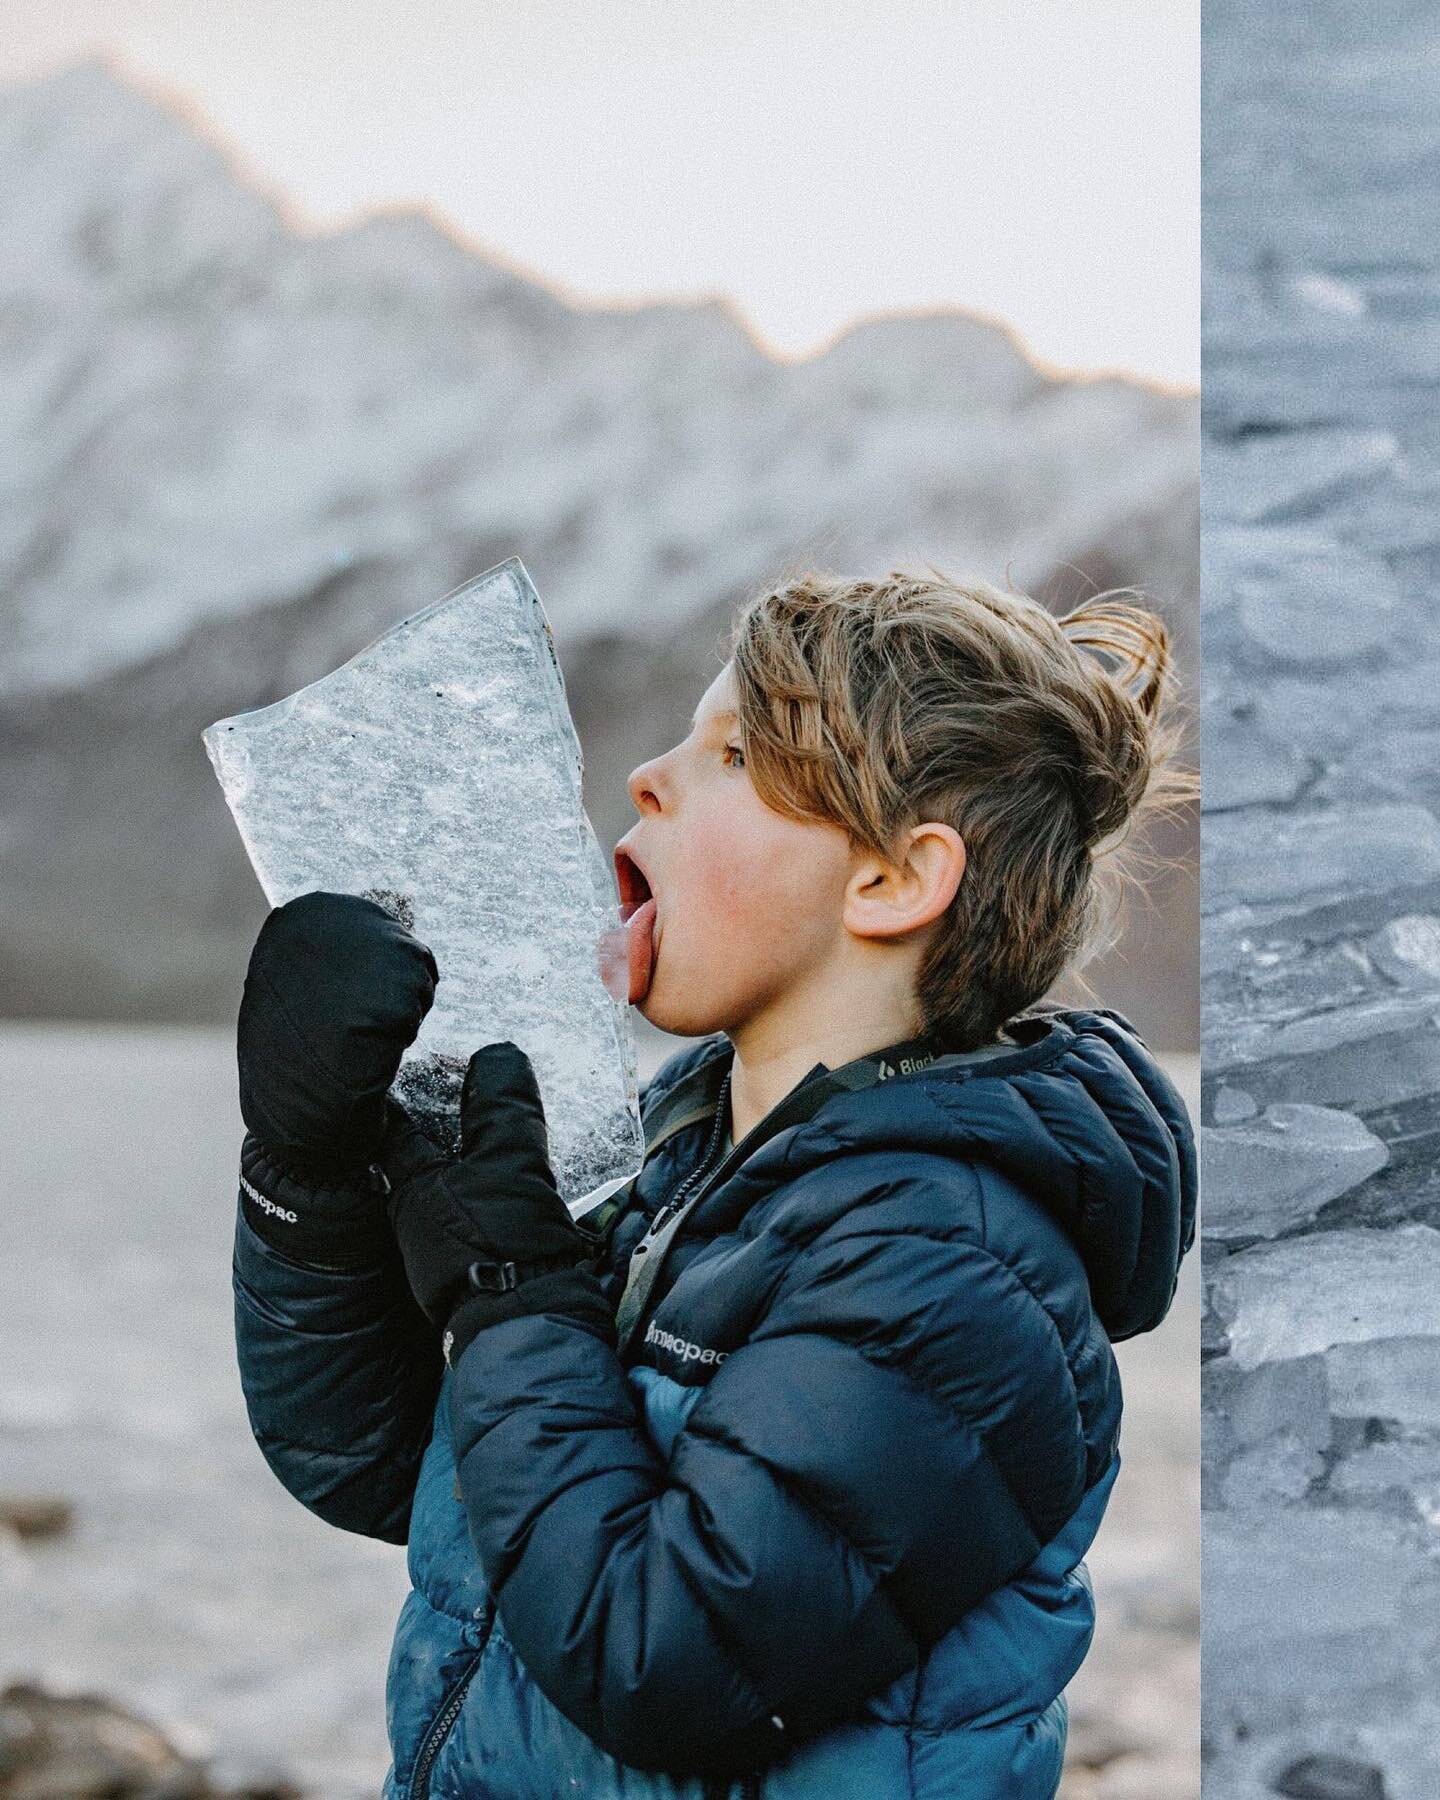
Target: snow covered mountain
[232,452]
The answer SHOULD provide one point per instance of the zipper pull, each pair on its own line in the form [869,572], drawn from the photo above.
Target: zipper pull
[652,1230]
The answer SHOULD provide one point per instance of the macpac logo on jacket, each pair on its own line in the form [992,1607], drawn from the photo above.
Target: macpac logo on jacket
[682,1347]
[838,1550]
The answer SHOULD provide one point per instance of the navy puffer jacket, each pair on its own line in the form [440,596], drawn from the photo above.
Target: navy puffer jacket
[818,1532]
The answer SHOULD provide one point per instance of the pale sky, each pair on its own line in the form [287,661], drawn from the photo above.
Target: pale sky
[815,162]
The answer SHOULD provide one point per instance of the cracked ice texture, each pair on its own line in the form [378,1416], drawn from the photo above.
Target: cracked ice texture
[438,772]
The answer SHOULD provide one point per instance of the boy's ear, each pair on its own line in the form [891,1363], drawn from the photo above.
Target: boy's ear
[887,899]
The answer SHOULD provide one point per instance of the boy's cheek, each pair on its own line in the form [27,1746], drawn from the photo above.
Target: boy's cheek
[746,896]
[718,887]
[711,942]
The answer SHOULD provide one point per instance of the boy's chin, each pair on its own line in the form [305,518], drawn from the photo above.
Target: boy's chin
[663,1018]
[677,1019]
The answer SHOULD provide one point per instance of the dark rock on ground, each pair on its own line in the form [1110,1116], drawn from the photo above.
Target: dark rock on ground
[35,1515]
[1331,1778]
[83,1747]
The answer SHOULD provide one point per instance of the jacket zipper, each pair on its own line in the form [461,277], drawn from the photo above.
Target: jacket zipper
[444,1722]
[698,1174]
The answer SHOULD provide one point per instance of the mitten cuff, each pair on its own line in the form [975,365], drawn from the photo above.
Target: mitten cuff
[337,1223]
[573,1293]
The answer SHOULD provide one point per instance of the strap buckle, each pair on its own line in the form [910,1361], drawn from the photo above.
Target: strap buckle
[493,1278]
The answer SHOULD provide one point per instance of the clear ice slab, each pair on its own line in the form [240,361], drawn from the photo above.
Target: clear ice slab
[438,772]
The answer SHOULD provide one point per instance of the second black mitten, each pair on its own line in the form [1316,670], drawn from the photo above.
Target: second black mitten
[485,1235]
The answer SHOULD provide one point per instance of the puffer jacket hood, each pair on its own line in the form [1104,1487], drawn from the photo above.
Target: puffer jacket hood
[1079,1115]
[816,1531]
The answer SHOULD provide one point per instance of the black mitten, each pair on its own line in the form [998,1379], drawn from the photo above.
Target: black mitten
[485,1235]
[336,991]
[339,1224]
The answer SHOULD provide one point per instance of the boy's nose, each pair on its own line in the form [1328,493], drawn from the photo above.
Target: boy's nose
[643,787]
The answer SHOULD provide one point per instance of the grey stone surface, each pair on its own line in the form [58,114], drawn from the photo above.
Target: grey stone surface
[1294,475]
[1391,1378]
[1244,766]
[1308,1609]
[1362,1058]
[1278,1170]
[1232,1104]
[1269,1037]
[1289,1397]
[1326,1777]
[1321,961]
[1307,1293]
[1381,766]
[1289,608]
[1407,949]
[1315,855]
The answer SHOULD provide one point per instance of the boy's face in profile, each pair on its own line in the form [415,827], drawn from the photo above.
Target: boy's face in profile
[748,902]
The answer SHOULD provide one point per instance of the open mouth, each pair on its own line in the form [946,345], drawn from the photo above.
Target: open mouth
[627,956]
[633,884]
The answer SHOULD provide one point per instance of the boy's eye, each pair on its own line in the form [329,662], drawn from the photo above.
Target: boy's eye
[734,757]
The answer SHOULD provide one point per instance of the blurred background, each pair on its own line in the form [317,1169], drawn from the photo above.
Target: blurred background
[307,316]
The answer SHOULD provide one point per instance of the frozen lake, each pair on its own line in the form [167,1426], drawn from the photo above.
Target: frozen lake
[195,1589]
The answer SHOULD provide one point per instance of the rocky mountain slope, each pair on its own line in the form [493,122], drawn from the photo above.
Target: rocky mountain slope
[232,452]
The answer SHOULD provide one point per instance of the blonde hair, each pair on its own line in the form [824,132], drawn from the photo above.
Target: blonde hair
[878,705]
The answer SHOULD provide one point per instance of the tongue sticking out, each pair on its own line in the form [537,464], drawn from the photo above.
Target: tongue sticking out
[627,955]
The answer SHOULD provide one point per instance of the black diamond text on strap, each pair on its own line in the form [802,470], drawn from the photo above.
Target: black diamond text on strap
[800,1104]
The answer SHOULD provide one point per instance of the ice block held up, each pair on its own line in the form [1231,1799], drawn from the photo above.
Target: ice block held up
[438,772]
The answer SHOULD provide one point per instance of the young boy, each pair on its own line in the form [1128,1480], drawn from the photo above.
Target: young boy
[777,1480]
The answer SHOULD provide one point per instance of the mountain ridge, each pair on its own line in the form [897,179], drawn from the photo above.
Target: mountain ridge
[236,452]
[102,77]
